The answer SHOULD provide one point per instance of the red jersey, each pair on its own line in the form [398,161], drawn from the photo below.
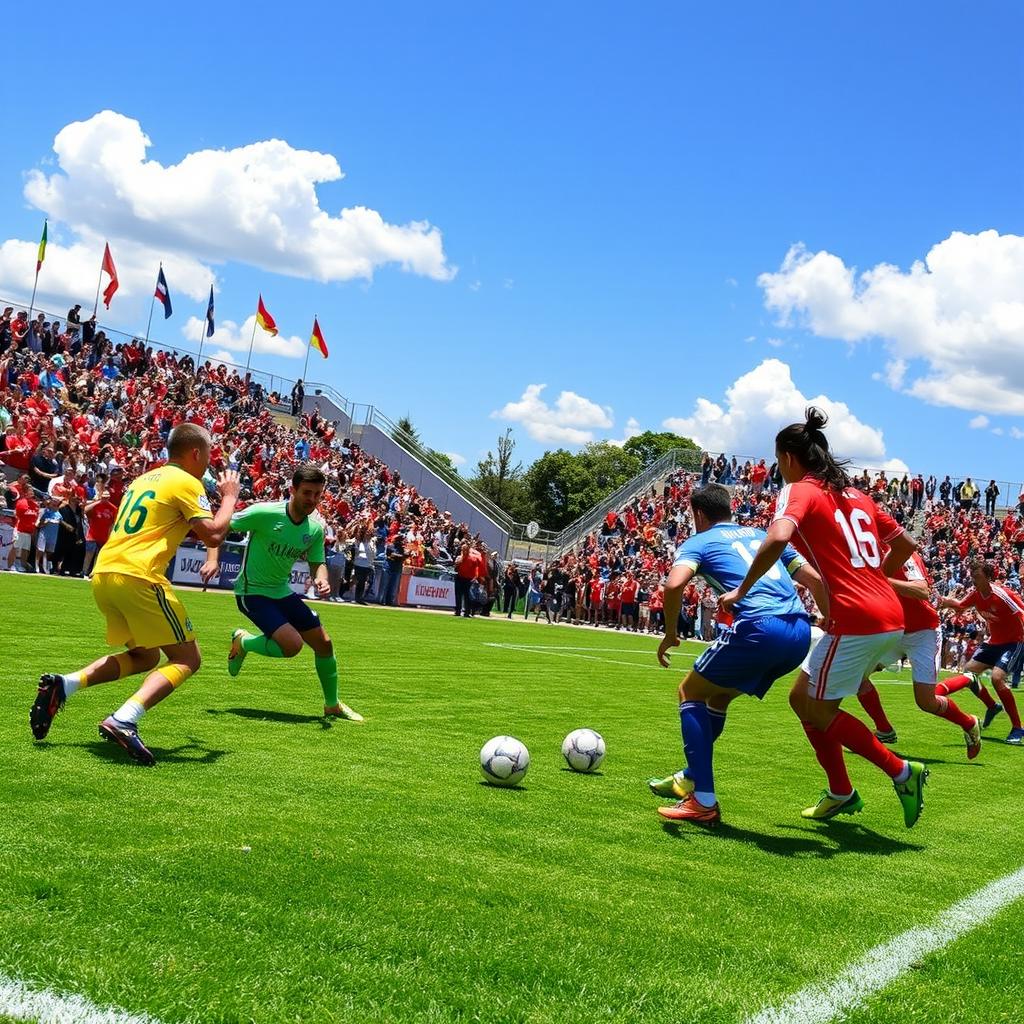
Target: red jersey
[918,614]
[841,534]
[629,589]
[26,512]
[101,519]
[1003,610]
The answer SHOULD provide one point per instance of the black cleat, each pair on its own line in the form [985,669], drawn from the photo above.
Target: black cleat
[49,700]
[126,736]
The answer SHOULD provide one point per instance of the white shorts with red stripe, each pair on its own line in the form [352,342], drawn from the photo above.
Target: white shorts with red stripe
[922,647]
[839,663]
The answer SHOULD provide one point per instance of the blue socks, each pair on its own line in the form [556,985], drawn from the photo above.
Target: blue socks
[698,741]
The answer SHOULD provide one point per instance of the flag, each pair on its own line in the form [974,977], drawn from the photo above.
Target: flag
[209,315]
[264,319]
[317,340]
[109,268]
[42,250]
[162,293]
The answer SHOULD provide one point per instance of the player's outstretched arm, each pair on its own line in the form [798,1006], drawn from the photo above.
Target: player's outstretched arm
[678,578]
[213,531]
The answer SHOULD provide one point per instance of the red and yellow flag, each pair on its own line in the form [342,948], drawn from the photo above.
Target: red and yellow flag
[317,339]
[41,255]
[264,319]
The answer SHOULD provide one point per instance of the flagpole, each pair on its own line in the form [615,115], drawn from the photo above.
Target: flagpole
[149,322]
[32,304]
[99,281]
[248,360]
[305,365]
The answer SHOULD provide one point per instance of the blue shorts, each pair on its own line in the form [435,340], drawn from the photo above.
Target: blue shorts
[996,655]
[750,655]
[271,613]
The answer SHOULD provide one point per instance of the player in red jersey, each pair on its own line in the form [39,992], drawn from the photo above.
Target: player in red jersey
[840,532]
[921,644]
[1003,610]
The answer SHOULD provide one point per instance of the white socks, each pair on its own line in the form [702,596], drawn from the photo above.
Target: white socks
[130,712]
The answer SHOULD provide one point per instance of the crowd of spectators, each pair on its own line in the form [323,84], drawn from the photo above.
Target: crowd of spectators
[81,416]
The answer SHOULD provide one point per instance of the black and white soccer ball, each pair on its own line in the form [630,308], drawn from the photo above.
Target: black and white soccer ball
[583,750]
[504,760]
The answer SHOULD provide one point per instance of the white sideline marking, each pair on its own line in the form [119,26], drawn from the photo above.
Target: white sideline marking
[588,657]
[882,965]
[19,1001]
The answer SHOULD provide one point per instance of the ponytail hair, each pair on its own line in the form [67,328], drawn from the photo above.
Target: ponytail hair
[807,443]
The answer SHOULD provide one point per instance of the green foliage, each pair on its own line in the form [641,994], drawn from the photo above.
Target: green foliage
[650,446]
[500,478]
[405,430]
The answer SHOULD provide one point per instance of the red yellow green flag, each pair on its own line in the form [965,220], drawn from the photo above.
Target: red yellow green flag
[317,339]
[264,319]
[42,250]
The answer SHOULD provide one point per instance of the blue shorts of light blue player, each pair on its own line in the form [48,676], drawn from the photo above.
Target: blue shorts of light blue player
[753,653]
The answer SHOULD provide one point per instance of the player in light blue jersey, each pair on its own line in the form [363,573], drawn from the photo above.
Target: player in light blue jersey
[769,638]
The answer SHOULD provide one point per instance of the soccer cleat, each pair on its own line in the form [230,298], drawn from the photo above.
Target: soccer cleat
[49,700]
[126,736]
[911,793]
[828,806]
[1016,737]
[691,809]
[676,785]
[343,711]
[973,738]
[991,713]
[237,653]
[885,737]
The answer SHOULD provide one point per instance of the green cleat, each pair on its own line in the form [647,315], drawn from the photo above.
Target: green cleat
[828,806]
[673,787]
[911,793]
[237,653]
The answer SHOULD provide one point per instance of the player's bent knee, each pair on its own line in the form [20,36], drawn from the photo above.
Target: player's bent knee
[176,673]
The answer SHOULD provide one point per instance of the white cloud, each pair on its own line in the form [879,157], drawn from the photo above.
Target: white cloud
[998,431]
[1016,432]
[632,429]
[457,459]
[978,422]
[231,336]
[222,355]
[571,420]
[960,312]
[763,401]
[475,286]
[256,204]
[775,342]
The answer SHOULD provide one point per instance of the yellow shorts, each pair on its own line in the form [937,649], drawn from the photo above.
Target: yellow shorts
[140,614]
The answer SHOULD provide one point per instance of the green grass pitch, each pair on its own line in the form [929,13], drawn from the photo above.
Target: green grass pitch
[274,869]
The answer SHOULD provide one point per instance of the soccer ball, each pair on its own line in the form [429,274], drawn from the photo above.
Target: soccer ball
[583,750]
[504,760]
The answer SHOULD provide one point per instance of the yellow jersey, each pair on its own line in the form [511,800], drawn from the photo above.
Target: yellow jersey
[155,515]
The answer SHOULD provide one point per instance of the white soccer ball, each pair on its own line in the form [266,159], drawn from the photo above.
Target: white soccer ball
[583,750]
[504,760]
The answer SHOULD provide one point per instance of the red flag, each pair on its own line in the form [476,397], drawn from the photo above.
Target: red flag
[264,319]
[109,268]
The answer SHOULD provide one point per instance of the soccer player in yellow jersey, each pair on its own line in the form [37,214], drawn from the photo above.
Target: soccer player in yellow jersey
[131,589]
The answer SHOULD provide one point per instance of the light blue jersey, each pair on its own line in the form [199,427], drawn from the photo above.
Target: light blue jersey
[724,553]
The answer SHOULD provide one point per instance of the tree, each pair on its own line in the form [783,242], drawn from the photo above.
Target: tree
[445,459]
[650,446]
[500,478]
[405,429]
[610,465]
[561,488]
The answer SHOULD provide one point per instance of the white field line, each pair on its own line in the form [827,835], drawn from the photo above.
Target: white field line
[20,1002]
[589,657]
[879,967]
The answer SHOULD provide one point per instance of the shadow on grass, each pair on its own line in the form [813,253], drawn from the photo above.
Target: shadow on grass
[281,717]
[830,839]
[517,788]
[192,752]
[592,775]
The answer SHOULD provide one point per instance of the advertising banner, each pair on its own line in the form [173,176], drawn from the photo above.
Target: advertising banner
[427,593]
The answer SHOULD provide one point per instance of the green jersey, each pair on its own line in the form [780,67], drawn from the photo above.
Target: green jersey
[276,543]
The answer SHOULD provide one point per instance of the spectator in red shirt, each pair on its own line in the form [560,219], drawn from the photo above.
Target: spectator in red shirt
[469,566]
[26,516]
[100,514]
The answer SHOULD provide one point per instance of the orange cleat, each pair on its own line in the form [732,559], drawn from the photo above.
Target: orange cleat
[691,809]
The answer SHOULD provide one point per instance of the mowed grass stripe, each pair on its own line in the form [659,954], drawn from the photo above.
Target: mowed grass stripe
[384,883]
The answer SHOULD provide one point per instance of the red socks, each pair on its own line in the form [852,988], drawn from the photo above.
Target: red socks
[1009,703]
[951,713]
[830,756]
[953,684]
[855,736]
[872,704]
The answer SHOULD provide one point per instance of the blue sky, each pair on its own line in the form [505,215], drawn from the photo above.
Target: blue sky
[609,188]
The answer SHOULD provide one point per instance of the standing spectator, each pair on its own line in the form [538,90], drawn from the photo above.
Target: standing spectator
[510,589]
[43,468]
[395,555]
[26,516]
[69,556]
[468,568]
[991,493]
[47,528]
[100,514]
[916,493]
[364,554]
[630,612]
[298,395]
[968,492]
[945,490]
[708,607]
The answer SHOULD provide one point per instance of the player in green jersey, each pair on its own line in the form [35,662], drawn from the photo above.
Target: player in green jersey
[281,534]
